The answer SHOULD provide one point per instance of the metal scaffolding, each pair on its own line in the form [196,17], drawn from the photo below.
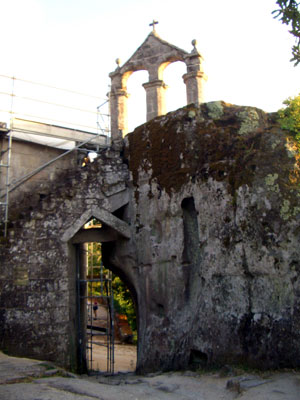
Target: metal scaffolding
[95,312]
[94,282]
[15,105]
[5,152]
[15,102]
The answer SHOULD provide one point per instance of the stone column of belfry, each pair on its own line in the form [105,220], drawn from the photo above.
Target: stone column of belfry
[195,78]
[118,105]
[155,98]
[118,112]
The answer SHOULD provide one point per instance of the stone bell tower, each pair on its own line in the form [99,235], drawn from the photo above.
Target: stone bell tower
[154,55]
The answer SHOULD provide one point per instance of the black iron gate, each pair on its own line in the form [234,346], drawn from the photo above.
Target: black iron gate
[95,313]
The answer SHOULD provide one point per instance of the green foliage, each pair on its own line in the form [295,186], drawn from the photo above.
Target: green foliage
[289,14]
[289,117]
[94,267]
[123,302]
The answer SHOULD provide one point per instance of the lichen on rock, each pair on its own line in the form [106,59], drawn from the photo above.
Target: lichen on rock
[286,211]
[270,182]
[215,109]
[207,147]
[220,174]
[249,121]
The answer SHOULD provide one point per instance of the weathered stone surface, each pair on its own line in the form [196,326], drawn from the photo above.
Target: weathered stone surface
[216,205]
[170,386]
[38,291]
[243,383]
[207,238]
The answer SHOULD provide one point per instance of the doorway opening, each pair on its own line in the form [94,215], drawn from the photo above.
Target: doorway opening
[107,323]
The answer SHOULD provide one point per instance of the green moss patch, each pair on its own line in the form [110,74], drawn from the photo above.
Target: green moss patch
[195,143]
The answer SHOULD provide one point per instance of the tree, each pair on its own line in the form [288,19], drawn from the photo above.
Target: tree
[290,117]
[123,302]
[289,14]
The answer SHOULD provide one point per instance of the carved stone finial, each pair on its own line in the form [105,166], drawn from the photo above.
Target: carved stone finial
[195,51]
[118,62]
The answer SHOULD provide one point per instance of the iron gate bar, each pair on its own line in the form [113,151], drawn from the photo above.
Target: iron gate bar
[79,330]
[106,293]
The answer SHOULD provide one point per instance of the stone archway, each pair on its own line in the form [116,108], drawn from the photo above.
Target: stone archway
[112,230]
[39,315]
[115,224]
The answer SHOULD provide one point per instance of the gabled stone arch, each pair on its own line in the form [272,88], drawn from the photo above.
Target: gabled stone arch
[119,226]
[112,233]
[154,55]
[41,256]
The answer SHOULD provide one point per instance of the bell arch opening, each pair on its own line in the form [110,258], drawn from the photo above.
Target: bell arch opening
[176,93]
[105,316]
[136,102]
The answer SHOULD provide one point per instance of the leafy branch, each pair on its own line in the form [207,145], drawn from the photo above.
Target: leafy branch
[289,14]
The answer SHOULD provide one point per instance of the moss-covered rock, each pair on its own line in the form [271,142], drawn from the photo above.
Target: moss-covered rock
[232,144]
[220,183]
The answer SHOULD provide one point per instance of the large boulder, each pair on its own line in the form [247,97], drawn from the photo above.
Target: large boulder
[215,222]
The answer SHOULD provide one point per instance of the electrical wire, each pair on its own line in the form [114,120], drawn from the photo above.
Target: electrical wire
[51,87]
[48,102]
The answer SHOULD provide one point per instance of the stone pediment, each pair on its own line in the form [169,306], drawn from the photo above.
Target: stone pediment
[153,51]
[116,224]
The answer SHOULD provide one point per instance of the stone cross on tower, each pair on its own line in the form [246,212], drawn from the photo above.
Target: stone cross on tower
[153,23]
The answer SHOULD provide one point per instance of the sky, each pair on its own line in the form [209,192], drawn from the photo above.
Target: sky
[73,44]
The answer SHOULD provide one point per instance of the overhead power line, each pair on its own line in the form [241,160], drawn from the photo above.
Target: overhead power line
[52,87]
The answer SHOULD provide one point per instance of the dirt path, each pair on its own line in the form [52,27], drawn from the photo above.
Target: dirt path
[125,358]
[24,379]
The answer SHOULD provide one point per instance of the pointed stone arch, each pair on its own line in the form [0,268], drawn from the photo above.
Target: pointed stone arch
[113,231]
[119,226]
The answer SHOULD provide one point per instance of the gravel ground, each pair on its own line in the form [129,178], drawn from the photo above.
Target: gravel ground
[24,379]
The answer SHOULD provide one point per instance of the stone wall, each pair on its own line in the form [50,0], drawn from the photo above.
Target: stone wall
[38,267]
[28,156]
[207,224]
[217,225]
